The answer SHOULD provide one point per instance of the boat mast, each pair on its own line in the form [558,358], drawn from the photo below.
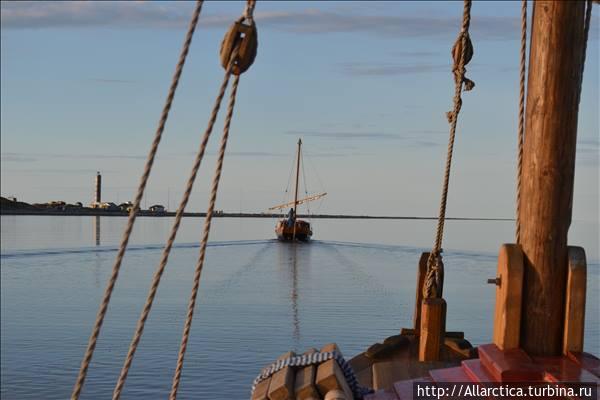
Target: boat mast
[296,190]
[297,176]
[553,93]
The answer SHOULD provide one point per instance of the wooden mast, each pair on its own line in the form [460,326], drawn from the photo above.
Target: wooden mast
[296,190]
[553,93]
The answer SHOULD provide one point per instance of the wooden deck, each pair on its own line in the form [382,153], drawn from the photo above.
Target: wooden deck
[495,365]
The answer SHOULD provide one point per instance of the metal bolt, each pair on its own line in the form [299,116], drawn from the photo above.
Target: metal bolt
[494,281]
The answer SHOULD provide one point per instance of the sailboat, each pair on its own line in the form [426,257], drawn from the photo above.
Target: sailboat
[292,228]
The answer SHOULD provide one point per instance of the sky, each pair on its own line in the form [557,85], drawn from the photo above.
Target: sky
[365,85]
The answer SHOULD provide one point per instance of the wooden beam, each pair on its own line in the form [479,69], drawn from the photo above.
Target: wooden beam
[575,301]
[433,327]
[509,294]
[421,273]
[553,93]
[282,381]
[305,388]
[330,377]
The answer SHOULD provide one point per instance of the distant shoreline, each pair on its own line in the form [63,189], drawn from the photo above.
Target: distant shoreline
[144,213]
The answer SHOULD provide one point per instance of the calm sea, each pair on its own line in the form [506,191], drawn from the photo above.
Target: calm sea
[354,284]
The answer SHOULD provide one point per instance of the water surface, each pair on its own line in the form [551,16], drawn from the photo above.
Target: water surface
[259,298]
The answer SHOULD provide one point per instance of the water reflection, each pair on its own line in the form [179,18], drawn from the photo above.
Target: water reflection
[97,230]
[293,258]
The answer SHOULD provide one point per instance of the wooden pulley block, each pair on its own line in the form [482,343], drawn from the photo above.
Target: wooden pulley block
[457,50]
[245,37]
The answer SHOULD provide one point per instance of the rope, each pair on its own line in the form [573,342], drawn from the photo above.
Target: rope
[312,359]
[521,133]
[85,363]
[207,223]
[248,13]
[435,267]
[167,250]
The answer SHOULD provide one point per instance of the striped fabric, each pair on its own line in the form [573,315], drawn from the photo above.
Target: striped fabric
[312,359]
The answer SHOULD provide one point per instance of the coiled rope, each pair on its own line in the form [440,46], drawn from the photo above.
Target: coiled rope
[87,358]
[312,359]
[462,53]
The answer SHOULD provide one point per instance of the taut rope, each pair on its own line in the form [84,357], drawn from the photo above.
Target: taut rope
[167,250]
[521,132]
[248,15]
[233,59]
[85,363]
[207,224]
[462,53]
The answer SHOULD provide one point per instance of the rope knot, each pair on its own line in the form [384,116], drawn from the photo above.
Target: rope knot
[458,52]
[434,279]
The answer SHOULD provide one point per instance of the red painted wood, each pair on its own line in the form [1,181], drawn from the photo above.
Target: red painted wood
[404,389]
[476,372]
[456,374]
[561,369]
[586,361]
[509,365]
[382,395]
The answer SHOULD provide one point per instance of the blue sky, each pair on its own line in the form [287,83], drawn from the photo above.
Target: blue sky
[366,85]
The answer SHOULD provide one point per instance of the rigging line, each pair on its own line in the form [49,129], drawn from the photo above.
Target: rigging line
[136,205]
[521,131]
[304,182]
[435,268]
[167,250]
[211,207]
[304,174]
[287,188]
[207,224]
[322,188]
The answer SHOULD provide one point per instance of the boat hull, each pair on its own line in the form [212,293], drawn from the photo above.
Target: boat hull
[302,232]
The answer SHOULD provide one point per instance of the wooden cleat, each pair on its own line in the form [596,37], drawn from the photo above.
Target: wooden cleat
[330,376]
[282,382]
[305,387]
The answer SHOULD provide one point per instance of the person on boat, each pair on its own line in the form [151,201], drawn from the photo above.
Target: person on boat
[290,218]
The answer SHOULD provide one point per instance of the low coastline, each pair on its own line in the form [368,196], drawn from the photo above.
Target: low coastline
[145,213]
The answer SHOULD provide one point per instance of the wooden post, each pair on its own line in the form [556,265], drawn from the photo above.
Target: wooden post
[421,273]
[553,92]
[575,301]
[509,295]
[433,329]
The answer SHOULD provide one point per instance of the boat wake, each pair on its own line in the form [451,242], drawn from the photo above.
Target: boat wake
[109,249]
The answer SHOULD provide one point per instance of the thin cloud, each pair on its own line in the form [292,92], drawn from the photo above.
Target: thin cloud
[30,157]
[416,54]
[255,154]
[347,135]
[15,157]
[175,15]
[84,171]
[108,80]
[387,69]
[588,152]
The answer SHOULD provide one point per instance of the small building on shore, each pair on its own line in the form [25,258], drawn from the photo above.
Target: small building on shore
[157,208]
